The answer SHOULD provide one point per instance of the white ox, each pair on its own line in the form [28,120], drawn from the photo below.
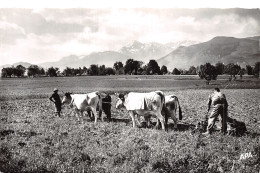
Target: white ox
[143,104]
[171,105]
[83,102]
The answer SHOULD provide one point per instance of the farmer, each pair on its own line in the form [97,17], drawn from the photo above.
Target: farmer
[220,106]
[55,98]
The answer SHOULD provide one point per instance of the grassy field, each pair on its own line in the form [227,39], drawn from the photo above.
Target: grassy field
[34,140]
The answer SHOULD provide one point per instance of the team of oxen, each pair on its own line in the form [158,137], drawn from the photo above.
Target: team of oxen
[150,104]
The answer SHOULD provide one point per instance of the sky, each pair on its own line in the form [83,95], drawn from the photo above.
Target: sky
[43,31]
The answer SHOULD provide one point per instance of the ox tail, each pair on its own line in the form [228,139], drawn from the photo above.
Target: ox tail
[180,112]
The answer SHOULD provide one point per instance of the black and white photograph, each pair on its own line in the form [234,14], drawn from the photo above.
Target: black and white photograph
[130,86]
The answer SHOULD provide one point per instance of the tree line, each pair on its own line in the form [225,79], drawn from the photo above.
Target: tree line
[133,67]
[31,71]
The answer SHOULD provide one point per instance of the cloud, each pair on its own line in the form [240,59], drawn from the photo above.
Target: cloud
[39,35]
[32,49]
[35,23]
[204,24]
[10,32]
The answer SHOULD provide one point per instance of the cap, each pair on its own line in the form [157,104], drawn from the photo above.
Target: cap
[55,89]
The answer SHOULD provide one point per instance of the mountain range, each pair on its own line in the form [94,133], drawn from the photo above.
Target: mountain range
[242,51]
[136,50]
[147,51]
[107,58]
[25,64]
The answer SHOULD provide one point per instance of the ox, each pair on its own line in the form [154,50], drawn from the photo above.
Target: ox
[143,104]
[170,108]
[83,102]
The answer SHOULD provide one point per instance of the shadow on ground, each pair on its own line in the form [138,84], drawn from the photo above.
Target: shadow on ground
[181,127]
[169,127]
[120,120]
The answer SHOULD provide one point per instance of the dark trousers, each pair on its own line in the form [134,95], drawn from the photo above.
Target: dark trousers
[58,107]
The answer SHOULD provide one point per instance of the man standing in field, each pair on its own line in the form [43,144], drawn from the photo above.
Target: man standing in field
[220,106]
[55,98]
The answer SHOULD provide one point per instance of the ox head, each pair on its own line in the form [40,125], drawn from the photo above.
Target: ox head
[67,98]
[120,102]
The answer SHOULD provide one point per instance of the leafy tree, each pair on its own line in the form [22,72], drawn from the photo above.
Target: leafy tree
[164,69]
[19,71]
[129,66]
[121,71]
[102,70]
[249,70]
[192,70]
[74,71]
[42,71]
[257,69]
[33,70]
[220,67]
[208,72]
[153,68]
[84,70]
[232,70]
[136,66]
[3,73]
[132,66]
[7,72]
[175,71]
[78,71]
[143,70]
[140,71]
[67,71]
[52,72]
[110,71]
[118,65]
[183,71]
[93,70]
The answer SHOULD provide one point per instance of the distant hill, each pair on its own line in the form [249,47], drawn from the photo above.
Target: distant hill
[107,58]
[256,38]
[25,64]
[219,49]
